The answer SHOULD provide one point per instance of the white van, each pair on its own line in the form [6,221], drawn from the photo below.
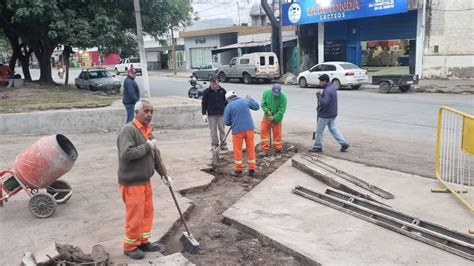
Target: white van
[250,67]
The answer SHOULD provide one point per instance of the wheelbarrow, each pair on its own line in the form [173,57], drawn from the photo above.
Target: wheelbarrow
[37,170]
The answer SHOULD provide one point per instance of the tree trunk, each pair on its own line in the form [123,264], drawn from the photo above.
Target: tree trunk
[43,53]
[12,62]
[25,66]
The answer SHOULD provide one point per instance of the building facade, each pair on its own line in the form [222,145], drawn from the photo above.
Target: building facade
[403,35]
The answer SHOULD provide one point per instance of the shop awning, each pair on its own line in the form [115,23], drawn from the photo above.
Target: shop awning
[288,41]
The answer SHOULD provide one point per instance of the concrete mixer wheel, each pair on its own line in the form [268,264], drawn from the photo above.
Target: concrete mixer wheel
[60,190]
[42,205]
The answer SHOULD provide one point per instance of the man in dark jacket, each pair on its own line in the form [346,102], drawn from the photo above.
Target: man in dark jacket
[213,105]
[327,113]
[131,94]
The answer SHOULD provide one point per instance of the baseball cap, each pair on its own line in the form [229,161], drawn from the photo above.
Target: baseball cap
[230,94]
[276,89]
[213,77]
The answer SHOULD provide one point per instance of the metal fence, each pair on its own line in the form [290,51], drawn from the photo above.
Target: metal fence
[455,155]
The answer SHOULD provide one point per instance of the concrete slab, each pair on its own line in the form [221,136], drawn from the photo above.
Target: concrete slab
[324,235]
[170,113]
[95,214]
[176,259]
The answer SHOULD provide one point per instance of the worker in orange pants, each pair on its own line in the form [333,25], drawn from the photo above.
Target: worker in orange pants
[136,148]
[237,116]
[238,141]
[274,107]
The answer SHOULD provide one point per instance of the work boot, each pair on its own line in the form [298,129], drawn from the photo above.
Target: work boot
[345,147]
[316,150]
[252,173]
[263,154]
[278,154]
[149,247]
[237,174]
[135,254]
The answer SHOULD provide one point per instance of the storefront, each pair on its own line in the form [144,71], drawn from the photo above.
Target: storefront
[368,33]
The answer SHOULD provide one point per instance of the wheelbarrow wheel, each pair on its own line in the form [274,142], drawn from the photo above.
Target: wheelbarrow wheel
[42,205]
[60,190]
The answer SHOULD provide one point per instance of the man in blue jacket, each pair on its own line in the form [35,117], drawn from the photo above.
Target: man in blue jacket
[131,94]
[327,113]
[237,115]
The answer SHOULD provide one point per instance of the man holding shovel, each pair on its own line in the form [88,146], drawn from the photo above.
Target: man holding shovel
[274,107]
[237,116]
[213,104]
[136,151]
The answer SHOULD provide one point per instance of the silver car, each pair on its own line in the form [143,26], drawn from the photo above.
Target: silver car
[205,72]
[97,79]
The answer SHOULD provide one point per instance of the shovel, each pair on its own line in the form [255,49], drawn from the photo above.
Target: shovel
[215,152]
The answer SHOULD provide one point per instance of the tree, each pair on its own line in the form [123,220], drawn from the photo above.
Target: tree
[42,25]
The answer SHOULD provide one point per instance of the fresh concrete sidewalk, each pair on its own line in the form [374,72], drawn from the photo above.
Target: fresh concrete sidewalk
[95,214]
[330,237]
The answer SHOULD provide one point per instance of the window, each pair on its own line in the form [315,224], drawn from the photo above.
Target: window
[244,61]
[82,76]
[203,67]
[317,68]
[329,68]
[349,66]
[262,60]
[135,60]
[232,62]
[98,74]
[272,60]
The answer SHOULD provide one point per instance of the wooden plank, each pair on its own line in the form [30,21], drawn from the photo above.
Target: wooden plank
[348,177]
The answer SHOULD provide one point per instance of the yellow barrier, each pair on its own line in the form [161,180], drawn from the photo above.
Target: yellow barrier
[455,155]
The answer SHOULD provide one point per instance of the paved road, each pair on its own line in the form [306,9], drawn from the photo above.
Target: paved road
[396,130]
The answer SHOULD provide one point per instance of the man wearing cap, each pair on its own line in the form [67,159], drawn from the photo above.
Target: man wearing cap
[213,104]
[131,93]
[327,113]
[274,107]
[237,115]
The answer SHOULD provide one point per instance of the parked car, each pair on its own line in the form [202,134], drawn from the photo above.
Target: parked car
[250,67]
[97,79]
[205,72]
[127,63]
[341,74]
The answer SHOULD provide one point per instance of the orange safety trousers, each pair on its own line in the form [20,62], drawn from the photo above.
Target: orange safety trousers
[238,141]
[138,201]
[267,127]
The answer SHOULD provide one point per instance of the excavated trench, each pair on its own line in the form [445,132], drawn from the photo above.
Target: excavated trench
[221,243]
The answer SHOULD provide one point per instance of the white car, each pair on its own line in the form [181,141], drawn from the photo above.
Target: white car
[341,74]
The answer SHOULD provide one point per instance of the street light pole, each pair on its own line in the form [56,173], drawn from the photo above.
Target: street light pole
[174,51]
[138,17]
[282,66]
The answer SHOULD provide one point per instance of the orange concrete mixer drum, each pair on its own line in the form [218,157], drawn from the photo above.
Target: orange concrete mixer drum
[45,161]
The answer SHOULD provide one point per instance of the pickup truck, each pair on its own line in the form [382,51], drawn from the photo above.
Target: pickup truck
[127,63]
[250,67]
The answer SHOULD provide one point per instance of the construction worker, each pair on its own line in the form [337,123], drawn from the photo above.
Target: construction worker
[274,107]
[237,116]
[213,105]
[136,146]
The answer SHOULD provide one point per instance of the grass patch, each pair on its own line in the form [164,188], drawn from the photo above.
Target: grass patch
[34,97]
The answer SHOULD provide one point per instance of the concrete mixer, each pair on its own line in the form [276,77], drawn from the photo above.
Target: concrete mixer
[37,170]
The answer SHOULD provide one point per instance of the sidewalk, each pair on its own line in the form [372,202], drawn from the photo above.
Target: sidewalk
[326,236]
[182,73]
[95,214]
[446,86]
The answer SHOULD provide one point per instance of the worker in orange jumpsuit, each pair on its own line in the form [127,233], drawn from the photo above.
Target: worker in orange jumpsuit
[136,147]
[237,116]
[274,107]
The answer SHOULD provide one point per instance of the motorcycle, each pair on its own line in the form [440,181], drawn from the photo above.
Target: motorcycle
[196,91]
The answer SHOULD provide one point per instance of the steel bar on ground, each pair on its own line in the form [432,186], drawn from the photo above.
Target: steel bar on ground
[427,232]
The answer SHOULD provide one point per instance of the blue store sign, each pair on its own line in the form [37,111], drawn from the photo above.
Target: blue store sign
[315,11]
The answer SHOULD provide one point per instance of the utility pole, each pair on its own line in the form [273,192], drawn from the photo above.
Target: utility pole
[138,17]
[174,51]
[282,67]
[238,11]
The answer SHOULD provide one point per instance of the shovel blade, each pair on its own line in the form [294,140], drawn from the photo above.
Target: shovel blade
[215,158]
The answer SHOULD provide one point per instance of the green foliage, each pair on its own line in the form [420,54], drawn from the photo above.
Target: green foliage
[4,44]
